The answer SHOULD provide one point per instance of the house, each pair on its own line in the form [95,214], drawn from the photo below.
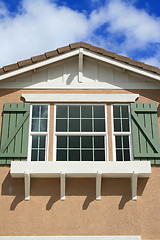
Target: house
[80,148]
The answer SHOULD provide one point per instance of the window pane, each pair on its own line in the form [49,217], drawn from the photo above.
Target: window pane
[87,155]
[61,125]
[86,125]
[41,155]
[99,155]
[62,141]
[86,142]
[74,111]
[34,155]
[44,111]
[43,125]
[118,142]
[34,141]
[99,142]
[125,125]
[86,111]
[126,141]
[80,118]
[35,125]
[61,155]
[116,111]
[126,155]
[42,141]
[74,125]
[117,125]
[74,155]
[119,155]
[74,142]
[35,111]
[99,112]
[99,125]
[125,112]
[61,111]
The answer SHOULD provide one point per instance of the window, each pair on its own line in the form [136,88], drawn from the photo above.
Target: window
[39,132]
[121,132]
[80,133]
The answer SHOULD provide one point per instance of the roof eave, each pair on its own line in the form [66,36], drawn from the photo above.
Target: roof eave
[88,53]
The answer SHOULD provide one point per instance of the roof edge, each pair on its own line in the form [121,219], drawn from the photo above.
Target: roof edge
[73,46]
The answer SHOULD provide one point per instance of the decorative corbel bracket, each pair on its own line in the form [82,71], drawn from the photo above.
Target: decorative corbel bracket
[98,185]
[63,183]
[134,181]
[27,185]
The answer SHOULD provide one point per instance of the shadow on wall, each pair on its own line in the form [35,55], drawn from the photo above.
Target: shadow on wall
[74,187]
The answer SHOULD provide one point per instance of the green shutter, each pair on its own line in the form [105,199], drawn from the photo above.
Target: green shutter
[145,134]
[15,126]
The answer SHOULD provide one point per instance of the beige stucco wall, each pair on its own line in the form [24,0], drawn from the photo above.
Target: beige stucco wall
[80,213]
[14,95]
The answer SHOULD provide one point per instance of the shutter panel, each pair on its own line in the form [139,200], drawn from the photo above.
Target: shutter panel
[15,129]
[145,135]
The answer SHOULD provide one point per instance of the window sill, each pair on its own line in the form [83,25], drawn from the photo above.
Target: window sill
[98,170]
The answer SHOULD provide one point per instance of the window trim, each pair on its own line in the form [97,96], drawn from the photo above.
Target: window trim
[105,134]
[121,133]
[47,134]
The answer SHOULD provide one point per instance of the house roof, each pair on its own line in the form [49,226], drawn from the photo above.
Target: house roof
[73,46]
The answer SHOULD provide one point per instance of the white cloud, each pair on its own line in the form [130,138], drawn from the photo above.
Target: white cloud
[136,26]
[42,25]
[38,27]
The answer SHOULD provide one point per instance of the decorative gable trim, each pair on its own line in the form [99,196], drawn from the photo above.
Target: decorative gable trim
[40,64]
[82,51]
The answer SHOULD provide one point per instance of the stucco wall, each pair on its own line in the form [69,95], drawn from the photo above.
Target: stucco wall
[80,213]
[10,95]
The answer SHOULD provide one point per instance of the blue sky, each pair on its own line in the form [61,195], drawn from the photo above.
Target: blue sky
[127,27]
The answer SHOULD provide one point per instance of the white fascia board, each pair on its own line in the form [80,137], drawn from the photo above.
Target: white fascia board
[121,65]
[80,169]
[40,64]
[70,237]
[80,97]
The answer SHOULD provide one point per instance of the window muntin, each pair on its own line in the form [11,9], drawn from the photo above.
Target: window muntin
[39,132]
[80,118]
[122,132]
[80,133]
[80,148]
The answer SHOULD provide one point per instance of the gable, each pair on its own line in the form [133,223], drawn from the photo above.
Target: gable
[65,74]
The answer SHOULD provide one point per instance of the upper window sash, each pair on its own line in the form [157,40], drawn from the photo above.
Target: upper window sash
[38,137]
[122,147]
[80,118]
[121,118]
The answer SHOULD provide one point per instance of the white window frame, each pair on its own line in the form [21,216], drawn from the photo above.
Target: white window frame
[105,134]
[38,133]
[114,134]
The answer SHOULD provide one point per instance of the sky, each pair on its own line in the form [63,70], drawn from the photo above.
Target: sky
[127,27]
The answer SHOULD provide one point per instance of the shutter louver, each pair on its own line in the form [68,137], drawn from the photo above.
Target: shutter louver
[145,135]
[15,128]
